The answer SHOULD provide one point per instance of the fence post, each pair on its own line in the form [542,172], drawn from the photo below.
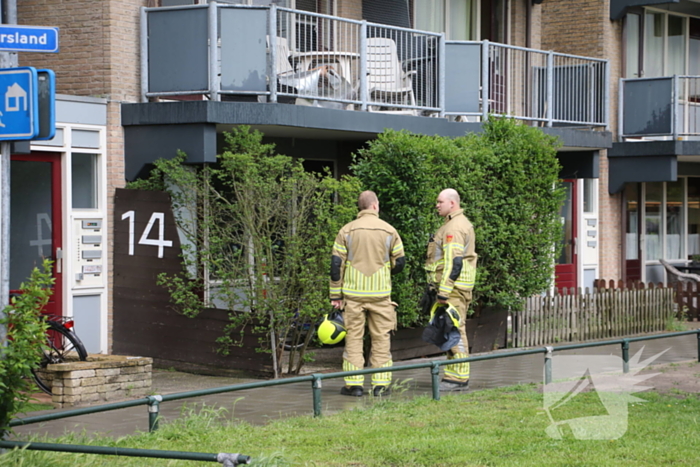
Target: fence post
[548,364]
[272,34]
[214,65]
[316,384]
[435,374]
[364,91]
[698,335]
[153,409]
[625,355]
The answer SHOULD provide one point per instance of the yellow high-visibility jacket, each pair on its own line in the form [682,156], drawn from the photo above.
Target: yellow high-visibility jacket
[451,260]
[366,252]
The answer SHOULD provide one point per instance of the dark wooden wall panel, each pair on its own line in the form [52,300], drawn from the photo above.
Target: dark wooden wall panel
[145,323]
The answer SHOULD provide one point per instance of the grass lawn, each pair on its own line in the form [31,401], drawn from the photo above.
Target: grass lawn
[498,427]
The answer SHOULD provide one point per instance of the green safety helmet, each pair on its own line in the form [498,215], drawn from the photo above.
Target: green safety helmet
[449,310]
[332,328]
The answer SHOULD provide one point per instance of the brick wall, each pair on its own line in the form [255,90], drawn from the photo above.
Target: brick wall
[583,27]
[103,379]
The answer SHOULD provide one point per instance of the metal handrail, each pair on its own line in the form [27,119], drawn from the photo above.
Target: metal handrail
[223,458]
[227,459]
[316,379]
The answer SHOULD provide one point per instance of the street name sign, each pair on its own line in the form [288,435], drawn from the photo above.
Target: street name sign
[28,38]
[19,103]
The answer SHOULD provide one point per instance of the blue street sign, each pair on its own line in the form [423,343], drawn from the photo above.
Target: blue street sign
[18,103]
[28,38]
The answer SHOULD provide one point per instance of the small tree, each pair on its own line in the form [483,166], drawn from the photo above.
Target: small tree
[26,337]
[258,230]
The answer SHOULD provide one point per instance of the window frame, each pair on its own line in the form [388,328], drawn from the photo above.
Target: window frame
[642,13]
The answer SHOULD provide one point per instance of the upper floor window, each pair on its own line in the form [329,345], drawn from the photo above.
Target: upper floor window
[661,44]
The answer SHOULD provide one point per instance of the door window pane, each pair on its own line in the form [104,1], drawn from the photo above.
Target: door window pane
[632,213]
[675,234]
[84,174]
[460,20]
[693,216]
[589,195]
[654,45]
[694,46]
[652,220]
[676,45]
[31,218]
[632,29]
[566,254]
[430,15]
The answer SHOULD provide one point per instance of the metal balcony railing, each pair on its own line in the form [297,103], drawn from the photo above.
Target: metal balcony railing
[272,54]
[660,108]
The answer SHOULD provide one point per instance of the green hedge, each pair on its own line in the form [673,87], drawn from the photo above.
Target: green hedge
[507,177]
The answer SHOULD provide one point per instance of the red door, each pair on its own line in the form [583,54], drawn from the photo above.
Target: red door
[565,269]
[35,220]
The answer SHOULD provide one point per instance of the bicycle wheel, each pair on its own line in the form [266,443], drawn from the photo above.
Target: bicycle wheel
[62,345]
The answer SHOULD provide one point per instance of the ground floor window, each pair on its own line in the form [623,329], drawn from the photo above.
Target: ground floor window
[671,217]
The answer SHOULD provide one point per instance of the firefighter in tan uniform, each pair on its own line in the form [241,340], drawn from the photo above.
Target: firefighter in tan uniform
[451,269]
[366,253]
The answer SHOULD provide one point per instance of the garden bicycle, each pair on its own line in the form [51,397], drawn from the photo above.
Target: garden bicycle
[62,345]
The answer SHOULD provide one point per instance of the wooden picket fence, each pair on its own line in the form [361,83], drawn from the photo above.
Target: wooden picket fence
[574,315]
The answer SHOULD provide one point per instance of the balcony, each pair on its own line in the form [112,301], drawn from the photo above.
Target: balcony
[660,108]
[285,56]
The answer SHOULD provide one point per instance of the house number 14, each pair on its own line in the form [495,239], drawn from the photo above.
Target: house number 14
[144,240]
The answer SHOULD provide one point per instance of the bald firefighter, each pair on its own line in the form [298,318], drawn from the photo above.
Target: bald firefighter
[366,253]
[451,269]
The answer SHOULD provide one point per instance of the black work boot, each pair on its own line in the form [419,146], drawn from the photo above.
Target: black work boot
[355,391]
[381,391]
[453,386]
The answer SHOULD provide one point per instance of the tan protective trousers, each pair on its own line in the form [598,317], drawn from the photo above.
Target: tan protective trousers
[459,372]
[380,316]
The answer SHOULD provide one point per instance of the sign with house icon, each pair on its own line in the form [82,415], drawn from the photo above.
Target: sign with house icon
[19,104]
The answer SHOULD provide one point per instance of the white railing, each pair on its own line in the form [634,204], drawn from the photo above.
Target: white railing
[283,55]
[545,87]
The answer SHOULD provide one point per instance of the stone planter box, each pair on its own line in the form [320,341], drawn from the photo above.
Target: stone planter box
[103,378]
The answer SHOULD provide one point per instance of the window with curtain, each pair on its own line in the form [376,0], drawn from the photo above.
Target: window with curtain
[453,17]
[654,44]
[632,212]
[671,219]
[633,29]
[693,216]
[652,220]
[675,233]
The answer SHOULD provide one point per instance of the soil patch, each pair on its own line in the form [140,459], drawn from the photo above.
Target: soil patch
[675,379]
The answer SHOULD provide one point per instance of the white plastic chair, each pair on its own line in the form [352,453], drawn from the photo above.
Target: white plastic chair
[387,82]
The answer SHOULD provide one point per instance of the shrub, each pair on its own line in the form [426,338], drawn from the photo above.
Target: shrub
[507,177]
[26,337]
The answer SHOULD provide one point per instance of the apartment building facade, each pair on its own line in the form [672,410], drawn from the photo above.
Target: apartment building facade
[320,78]
[648,185]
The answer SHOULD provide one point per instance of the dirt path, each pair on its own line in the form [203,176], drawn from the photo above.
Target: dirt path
[681,379]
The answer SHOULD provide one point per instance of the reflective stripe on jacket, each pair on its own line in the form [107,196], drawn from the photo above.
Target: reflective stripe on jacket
[368,249]
[451,259]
